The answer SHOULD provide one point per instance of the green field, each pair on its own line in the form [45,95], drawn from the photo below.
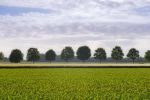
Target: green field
[75,83]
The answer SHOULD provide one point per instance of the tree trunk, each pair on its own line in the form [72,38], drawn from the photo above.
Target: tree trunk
[67,60]
[116,61]
[133,61]
[100,61]
[83,61]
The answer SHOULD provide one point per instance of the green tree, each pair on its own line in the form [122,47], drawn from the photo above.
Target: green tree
[1,56]
[117,53]
[83,53]
[100,54]
[50,55]
[133,54]
[16,56]
[67,54]
[147,55]
[33,55]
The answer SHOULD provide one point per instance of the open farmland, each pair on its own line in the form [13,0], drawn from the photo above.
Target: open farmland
[74,65]
[75,83]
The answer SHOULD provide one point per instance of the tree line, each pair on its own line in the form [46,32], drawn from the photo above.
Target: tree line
[83,53]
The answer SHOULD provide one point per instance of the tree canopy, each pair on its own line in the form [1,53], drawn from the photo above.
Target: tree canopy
[33,55]
[100,54]
[1,56]
[117,53]
[50,55]
[147,55]
[67,54]
[133,54]
[83,53]
[16,56]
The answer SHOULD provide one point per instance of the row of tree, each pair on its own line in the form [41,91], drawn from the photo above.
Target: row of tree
[83,53]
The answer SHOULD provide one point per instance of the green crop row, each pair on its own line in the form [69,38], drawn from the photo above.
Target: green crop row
[75,84]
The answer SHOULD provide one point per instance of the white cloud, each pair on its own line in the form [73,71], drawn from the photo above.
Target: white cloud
[57,42]
[97,23]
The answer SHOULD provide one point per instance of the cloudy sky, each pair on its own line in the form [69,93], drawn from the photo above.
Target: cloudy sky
[47,24]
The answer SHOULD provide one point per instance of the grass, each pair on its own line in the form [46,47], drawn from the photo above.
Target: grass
[75,84]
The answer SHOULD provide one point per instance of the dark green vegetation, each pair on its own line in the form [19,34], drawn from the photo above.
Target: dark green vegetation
[133,54]
[67,54]
[147,55]
[33,55]
[1,56]
[64,84]
[100,54]
[83,53]
[117,53]
[50,55]
[16,56]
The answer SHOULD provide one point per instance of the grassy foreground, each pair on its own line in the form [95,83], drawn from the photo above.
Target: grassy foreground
[79,83]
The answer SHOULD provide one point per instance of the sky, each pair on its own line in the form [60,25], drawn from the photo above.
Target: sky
[54,24]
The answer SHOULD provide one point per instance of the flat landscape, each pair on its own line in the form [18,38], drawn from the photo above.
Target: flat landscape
[75,83]
[74,65]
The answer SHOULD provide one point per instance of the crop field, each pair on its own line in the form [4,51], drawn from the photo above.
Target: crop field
[75,83]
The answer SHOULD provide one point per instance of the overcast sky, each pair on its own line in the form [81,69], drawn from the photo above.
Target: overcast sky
[47,24]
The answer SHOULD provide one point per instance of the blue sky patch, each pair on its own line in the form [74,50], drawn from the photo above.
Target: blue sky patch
[145,10]
[4,10]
